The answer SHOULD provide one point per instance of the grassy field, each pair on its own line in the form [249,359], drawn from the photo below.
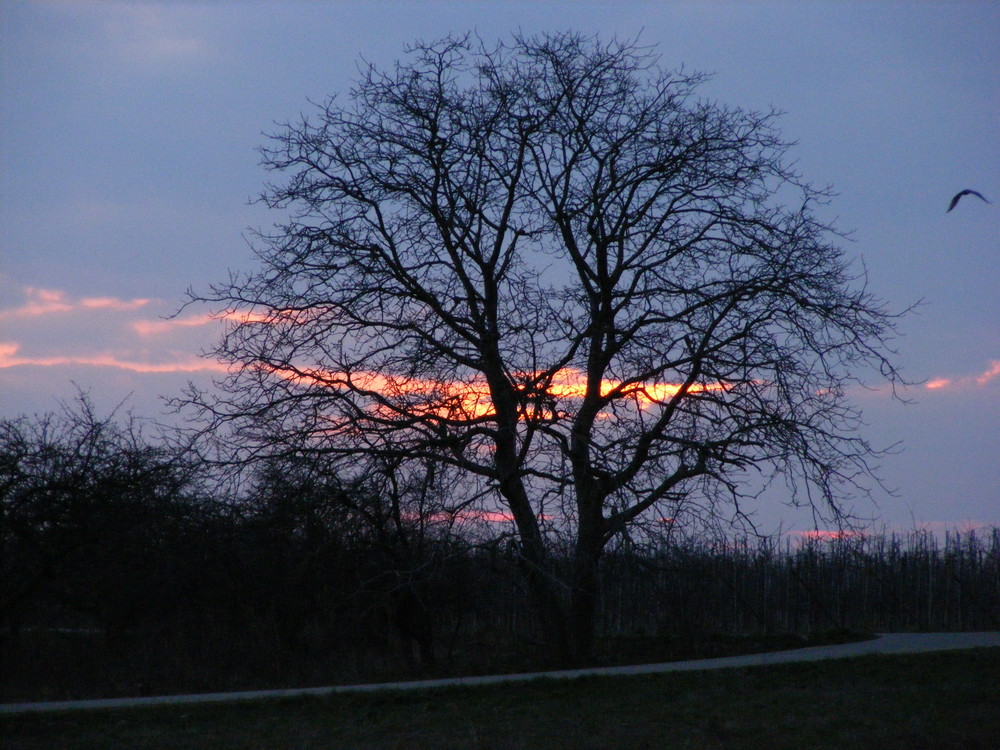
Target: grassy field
[941,700]
[51,666]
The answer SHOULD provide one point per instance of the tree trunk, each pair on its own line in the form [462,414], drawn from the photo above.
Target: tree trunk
[543,585]
[542,579]
[584,597]
[583,612]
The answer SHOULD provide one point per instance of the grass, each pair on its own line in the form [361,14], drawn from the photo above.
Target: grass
[939,700]
[47,665]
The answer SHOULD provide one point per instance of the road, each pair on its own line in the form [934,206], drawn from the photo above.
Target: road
[886,643]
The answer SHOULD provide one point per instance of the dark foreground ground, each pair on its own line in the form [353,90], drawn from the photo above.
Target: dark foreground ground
[68,665]
[938,700]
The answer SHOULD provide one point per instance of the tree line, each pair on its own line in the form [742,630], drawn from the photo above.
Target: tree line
[130,566]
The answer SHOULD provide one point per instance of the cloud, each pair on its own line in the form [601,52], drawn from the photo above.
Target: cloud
[967,381]
[55,330]
[153,36]
[825,535]
[937,529]
[113,303]
[156,327]
[51,301]
[9,358]
[38,302]
[478,516]
[120,39]
[992,372]
[470,399]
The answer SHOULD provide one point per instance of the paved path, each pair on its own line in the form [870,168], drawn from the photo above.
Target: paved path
[888,643]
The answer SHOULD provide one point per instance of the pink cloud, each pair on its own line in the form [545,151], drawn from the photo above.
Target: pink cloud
[826,534]
[992,372]
[967,381]
[59,330]
[154,327]
[476,516]
[51,301]
[9,358]
[938,383]
[934,528]
[39,302]
[112,303]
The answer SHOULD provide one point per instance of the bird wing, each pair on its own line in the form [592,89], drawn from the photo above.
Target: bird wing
[967,191]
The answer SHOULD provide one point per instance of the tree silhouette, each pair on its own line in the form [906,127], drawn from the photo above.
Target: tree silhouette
[92,516]
[550,267]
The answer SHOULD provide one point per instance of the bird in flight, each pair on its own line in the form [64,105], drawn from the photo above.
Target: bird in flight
[954,201]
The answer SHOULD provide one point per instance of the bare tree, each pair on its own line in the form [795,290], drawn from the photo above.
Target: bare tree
[90,511]
[552,267]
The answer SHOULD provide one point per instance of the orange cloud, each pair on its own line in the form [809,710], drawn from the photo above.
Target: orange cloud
[447,399]
[464,400]
[569,383]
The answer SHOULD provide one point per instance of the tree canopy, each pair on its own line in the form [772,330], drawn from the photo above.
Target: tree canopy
[550,268]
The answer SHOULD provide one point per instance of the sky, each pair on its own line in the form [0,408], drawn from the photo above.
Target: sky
[129,165]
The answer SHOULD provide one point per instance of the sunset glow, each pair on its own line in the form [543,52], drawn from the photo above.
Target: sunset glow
[477,516]
[569,383]
[466,400]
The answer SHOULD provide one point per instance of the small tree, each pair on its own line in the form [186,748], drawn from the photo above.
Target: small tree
[391,532]
[551,267]
[91,516]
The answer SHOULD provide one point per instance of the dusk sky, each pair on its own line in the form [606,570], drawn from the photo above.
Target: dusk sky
[129,135]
